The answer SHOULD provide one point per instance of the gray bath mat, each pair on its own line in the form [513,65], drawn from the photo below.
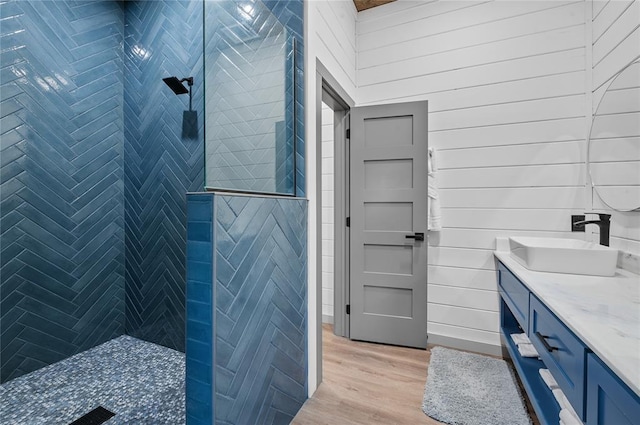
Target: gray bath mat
[470,389]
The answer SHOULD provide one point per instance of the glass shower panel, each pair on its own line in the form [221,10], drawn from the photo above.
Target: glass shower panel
[249,92]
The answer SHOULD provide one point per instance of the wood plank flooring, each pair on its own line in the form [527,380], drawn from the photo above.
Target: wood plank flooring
[367,384]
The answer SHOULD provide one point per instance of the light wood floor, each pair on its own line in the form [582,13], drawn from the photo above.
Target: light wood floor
[367,384]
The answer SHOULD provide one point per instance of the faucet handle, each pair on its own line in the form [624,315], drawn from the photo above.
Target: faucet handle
[603,216]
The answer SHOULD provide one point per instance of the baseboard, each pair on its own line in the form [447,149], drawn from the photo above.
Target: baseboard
[327,319]
[465,345]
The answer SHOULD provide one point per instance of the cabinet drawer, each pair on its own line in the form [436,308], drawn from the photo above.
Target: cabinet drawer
[561,351]
[609,400]
[515,294]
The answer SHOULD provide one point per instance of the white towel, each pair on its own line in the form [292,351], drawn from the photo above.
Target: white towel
[520,339]
[569,417]
[527,350]
[548,379]
[561,399]
[434,219]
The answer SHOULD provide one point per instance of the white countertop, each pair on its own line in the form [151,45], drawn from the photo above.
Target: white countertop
[604,312]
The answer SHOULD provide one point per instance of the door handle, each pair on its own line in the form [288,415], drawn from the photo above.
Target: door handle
[416,236]
[543,340]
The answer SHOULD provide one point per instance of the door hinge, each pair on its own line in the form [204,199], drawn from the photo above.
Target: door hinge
[348,308]
[348,221]
[348,133]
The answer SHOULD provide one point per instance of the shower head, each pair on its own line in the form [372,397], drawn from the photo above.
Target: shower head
[176,85]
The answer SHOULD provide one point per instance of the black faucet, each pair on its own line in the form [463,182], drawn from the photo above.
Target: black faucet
[604,223]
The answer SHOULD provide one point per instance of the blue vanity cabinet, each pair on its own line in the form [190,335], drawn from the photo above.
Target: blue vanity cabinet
[598,395]
[514,318]
[515,294]
[609,401]
[561,352]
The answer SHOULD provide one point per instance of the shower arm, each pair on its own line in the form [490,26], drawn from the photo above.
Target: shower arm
[189,81]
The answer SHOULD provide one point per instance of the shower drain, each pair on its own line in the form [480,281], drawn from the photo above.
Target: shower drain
[97,416]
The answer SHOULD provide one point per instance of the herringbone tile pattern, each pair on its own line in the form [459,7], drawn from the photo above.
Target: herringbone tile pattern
[250,105]
[61,193]
[291,14]
[94,171]
[162,38]
[245,49]
[260,252]
[260,309]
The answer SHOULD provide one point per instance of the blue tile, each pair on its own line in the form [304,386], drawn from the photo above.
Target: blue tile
[198,391]
[199,412]
[224,297]
[199,231]
[163,167]
[199,331]
[200,312]
[200,208]
[199,291]
[198,351]
[199,251]
[200,371]
[63,392]
[192,419]
[224,270]
[260,309]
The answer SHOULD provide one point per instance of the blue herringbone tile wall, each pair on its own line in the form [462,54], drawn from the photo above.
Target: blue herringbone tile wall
[94,171]
[162,39]
[250,94]
[291,14]
[246,48]
[259,368]
[61,206]
[261,305]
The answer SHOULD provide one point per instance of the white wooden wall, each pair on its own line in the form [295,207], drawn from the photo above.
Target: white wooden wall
[509,86]
[328,243]
[333,31]
[616,42]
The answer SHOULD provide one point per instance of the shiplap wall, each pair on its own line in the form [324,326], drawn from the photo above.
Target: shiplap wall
[616,42]
[509,93]
[333,36]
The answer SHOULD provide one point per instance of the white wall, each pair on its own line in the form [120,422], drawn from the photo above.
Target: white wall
[509,88]
[330,37]
[616,42]
[332,32]
[327,215]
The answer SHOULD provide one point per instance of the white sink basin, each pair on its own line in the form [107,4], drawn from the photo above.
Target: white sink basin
[564,256]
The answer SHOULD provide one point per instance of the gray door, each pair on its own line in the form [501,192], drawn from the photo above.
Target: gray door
[388,207]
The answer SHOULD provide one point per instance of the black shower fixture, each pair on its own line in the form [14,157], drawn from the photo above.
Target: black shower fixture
[190,117]
[176,85]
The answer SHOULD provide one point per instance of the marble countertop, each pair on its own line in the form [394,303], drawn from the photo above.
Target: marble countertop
[604,312]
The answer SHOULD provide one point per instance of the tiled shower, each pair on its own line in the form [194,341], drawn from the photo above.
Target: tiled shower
[95,171]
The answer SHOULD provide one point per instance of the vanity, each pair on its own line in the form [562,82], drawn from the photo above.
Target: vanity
[586,330]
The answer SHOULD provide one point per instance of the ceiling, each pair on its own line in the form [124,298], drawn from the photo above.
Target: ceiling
[368,4]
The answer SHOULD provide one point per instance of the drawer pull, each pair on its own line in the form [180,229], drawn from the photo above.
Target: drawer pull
[544,342]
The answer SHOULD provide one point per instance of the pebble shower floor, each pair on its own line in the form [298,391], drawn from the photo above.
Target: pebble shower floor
[141,382]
